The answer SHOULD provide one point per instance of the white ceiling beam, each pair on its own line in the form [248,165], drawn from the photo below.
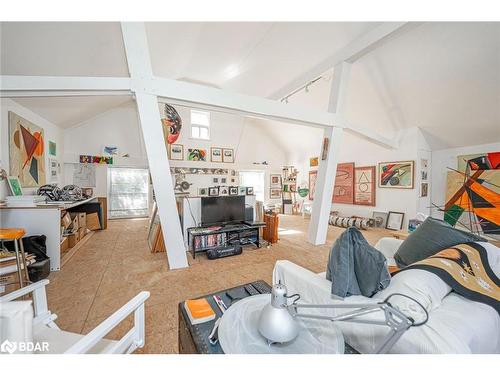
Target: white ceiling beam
[55,93]
[192,94]
[350,53]
[63,83]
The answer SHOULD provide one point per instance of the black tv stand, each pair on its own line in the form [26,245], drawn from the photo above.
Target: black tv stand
[201,239]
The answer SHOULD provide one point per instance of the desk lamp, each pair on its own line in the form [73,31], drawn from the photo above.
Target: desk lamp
[278,324]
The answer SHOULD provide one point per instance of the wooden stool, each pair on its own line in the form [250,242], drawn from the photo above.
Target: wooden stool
[16,235]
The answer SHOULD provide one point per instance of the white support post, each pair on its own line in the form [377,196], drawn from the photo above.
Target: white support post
[318,227]
[139,63]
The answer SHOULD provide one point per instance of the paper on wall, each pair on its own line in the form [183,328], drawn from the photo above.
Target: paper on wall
[84,175]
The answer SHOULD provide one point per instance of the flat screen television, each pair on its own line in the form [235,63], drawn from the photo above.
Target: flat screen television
[222,210]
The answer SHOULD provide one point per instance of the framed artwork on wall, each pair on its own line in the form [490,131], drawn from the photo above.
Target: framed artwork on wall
[197,154]
[380,219]
[202,192]
[26,151]
[274,193]
[275,180]
[396,174]
[176,152]
[213,191]
[343,190]
[312,183]
[228,155]
[395,220]
[52,148]
[249,190]
[223,190]
[233,190]
[324,150]
[242,190]
[364,185]
[313,162]
[216,154]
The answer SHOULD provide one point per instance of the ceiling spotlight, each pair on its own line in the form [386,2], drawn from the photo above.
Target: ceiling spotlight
[307,88]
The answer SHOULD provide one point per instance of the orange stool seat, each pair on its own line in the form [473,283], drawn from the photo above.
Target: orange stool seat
[11,233]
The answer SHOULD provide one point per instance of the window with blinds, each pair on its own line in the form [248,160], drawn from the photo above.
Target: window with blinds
[128,192]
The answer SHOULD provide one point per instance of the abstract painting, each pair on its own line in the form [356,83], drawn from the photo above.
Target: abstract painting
[343,190]
[396,174]
[364,186]
[197,154]
[313,175]
[89,159]
[228,155]
[473,195]
[216,155]
[26,151]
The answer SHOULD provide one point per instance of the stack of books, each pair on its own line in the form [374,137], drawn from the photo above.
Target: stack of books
[199,311]
[24,200]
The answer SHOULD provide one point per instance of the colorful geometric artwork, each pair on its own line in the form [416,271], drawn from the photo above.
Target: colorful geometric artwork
[89,159]
[473,195]
[197,154]
[364,186]
[343,190]
[397,174]
[26,151]
[483,161]
[52,148]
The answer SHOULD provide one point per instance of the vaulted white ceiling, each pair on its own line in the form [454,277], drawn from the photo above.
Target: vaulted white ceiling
[441,77]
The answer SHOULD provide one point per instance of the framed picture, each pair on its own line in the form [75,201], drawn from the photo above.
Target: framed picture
[228,155]
[249,190]
[364,186]
[110,150]
[424,189]
[52,148]
[233,190]
[197,154]
[53,170]
[223,180]
[275,180]
[202,192]
[324,150]
[242,190]
[313,162]
[15,185]
[216,154]
[215,180]
[213,191]
[223,190]
[395,220]
[343,190]
[396,174]
[274,193]
[380,219]
[312,183]
[176,152]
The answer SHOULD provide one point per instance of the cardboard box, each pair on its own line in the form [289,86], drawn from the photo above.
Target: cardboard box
[66,220]
[93,221]
[74,221]
[82,220]
[64,244]
[82,232]
[73,239]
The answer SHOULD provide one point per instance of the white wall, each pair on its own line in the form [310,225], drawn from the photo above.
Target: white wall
[444,159]
[120,127]
[51,133]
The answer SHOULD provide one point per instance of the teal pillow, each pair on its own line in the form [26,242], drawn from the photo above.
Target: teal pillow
[432,236]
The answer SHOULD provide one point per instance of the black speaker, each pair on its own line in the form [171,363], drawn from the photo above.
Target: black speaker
[249,214]
[223,252]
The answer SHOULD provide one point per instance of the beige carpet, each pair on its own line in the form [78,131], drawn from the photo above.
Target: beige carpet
[116,264]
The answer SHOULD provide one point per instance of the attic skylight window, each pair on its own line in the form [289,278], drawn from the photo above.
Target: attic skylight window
[200,124]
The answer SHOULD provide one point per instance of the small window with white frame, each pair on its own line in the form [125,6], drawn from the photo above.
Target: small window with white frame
[200,124]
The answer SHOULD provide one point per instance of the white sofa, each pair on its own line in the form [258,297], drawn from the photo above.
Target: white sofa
[455,325]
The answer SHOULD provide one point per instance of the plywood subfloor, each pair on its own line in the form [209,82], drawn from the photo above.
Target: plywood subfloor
[116,264]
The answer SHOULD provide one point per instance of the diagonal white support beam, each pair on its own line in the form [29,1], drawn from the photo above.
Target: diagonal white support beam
[325,180]
[350,53]
[137,52]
